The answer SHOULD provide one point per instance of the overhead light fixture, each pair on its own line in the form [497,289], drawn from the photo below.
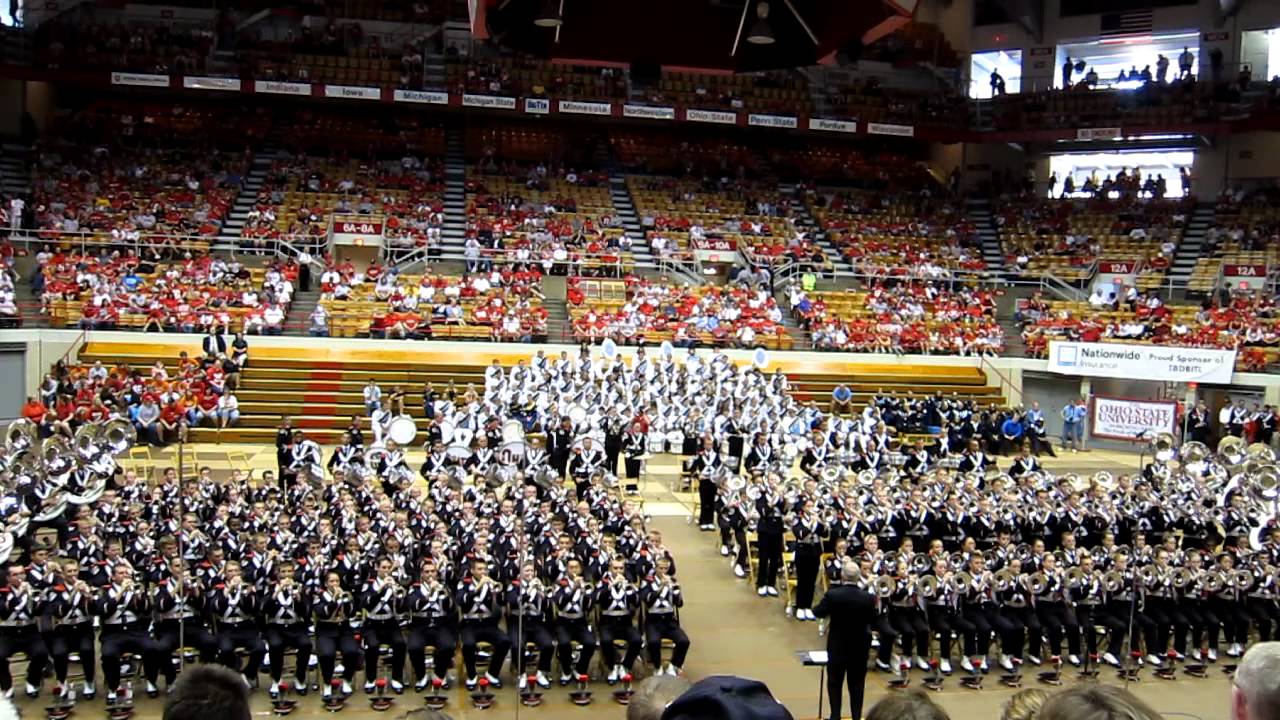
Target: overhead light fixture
[761,33]
[551,15]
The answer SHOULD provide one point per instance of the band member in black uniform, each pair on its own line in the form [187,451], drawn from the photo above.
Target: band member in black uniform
[917,461]
[286,609]
[1162,607]
[234,607]
[940,611]
[1018,624]
[977,616]
[770,508]
[618,600]
[731,515]
[705,465]
[634,446]
[20,607]
[613,431]
[380,601]
[586,459]
[816,457]
[479,598]
[284,438]
[437,461]
[975,460]
[1024,463]
[809,531]
[559,446]
[1086,593]
[760,455]
[125,612]
[662,600]
[1120,608]
[1055,616]
[178,602]
[573,600]
[528,620]
[345,455]
[904,613]
[334,610]
[70,602]
[432,623]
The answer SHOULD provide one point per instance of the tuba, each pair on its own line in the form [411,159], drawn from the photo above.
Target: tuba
[86,441]
[1232,451]
[1037,583]
[1163,447]
[21,436]
[1112,581]
[118,436]
[928,586]
[1194,453]
[885,586]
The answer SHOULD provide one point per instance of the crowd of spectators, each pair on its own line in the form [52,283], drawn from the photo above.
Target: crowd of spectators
[523,76]
[506,301]
[732,316]
[138,47]
[200,293]
[901,317]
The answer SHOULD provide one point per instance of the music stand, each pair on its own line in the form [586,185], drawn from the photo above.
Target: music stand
[819,659]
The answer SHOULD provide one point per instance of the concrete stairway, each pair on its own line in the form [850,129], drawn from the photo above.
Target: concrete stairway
[1192,246]
[554,290]
[299,318]
[809,224]
[248,195]
[454,233]
[15,178]
[626,211]
[979,212]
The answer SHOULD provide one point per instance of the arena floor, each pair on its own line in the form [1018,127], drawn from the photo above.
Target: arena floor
[733,630]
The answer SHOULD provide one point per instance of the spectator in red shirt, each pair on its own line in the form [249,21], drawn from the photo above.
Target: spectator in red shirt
[34,410]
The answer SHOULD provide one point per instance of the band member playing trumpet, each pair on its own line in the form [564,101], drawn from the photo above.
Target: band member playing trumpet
[334,611]
[480,598]
[1189,583]
[706,464]
[1017,622]
[1055,616]
[1085,590]
[234,607]
[20,607]
[528,617]
[286,608]
[1225,600]
[904,612]
[809,532]
[940,607]
[978,614]
[634,447]
[125,613]
[179,607]
[432,623]
[70,601]
[618,599]
[573,600]
[662,601]
[1161,605]
[379,601]
[1124,601]
[770,508]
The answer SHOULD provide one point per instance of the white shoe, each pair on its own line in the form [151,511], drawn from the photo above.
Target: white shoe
[542,680]
[423,683]
[523,682]
[397,686]
[88,690]
[1213,655]
[613,674]
[724,551]
[1154,660]
[1006,662]
[945,666]
[882,666]
[1033,659]
[566,678]
[738,571]
[338,669]
[32,690]
[673,671]
[111,695]
[327,692]
[274,691]
[920,663]
[346,687]
[966,664]
[1111,660]
[369,686]
[493,681]
[773,591]
[983,665]
[762,591]
[1074,660]
[151,688]
[1235,650]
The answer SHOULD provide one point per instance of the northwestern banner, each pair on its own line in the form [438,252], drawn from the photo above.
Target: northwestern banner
[211,83]
[424,97]
[1142,362]
[489,101]
[574,107]
[649,111]
[139,79]
[1124,419]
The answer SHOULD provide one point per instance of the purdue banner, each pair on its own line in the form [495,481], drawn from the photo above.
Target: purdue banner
[1142,362]
[1124,419]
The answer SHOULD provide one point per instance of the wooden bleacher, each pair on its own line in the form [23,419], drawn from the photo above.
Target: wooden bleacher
[320,388]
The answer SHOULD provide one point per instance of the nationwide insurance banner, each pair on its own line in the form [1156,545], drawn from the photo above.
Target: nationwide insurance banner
[1142,362]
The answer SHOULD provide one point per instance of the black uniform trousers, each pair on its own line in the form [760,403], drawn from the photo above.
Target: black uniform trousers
[886,634]
[245,636]
[282,637]
[536,632]
[24,639]
[1265,616]
[1203,622]
[332,638]
[383,632]
[1088,619]
[665,626]
[477,631]
[850,668]
[1168,618]
[808,556]
[619,627]
[1019,629]
[1233,617]
[736,537]
[706,501]
[769,546]
[171,635]
[444,643]
[66,639]
[120,639]
[941,621]
[975,623]
[1116,615]
[1058,620]
[912,629]
[569,630]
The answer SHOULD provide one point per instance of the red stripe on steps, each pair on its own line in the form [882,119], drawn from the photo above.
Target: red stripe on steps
[328,365]
[327,375]
[320,398]
[317,422]
[330,387]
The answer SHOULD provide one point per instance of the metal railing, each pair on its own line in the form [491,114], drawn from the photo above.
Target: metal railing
[1008,387]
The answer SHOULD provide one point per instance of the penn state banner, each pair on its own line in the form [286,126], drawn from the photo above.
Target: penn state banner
[1142,362]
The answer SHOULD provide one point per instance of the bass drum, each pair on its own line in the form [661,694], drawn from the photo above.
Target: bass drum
[657,441]
[403,430]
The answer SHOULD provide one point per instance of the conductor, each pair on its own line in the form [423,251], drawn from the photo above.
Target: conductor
[851,610]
